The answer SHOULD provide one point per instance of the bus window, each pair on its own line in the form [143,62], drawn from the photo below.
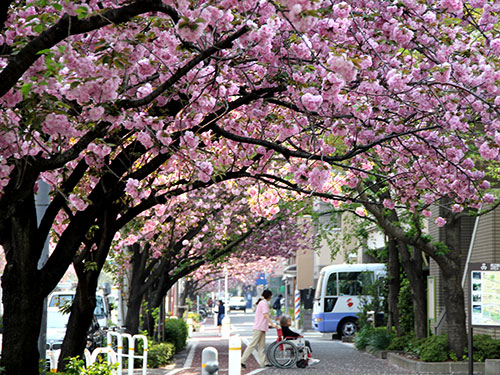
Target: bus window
[330,303]
[331,285]
[351,283]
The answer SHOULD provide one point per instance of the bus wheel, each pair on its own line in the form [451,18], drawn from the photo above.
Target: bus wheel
[348,327]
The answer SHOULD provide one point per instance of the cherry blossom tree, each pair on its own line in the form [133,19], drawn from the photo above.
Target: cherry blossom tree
[102,99]
[184,244]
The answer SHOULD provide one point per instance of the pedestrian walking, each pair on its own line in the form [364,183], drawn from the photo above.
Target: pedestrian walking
[221,312]
[260,327]
[277,306]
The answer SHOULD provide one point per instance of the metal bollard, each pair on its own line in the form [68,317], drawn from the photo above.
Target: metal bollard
[209,361]
[234,357]
[226,327]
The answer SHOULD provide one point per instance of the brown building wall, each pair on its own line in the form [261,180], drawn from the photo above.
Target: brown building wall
[485,249]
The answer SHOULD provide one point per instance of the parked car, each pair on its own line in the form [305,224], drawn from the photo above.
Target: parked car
[238,303]
[56,327]
[65,297]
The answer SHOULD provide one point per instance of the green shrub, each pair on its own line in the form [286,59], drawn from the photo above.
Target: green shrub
[434,349]
[379,339]
[195,316]
[76,366]
[160,354]
[413,346]
[405,307]
[372,338]
[362,337]
[486,347]
[400,343]
[176,332]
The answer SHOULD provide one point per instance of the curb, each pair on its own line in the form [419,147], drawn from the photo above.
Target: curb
[444,368]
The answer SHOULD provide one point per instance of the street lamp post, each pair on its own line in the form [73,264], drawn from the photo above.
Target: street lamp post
[226,321]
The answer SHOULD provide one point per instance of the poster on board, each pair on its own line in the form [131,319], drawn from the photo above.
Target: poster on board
[484,294]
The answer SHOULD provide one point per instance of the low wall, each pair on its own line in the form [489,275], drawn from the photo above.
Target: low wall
[441,368]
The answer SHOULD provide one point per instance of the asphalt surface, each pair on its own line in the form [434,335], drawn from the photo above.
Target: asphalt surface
[336,357]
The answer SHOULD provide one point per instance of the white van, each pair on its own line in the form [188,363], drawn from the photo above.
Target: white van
[102,309]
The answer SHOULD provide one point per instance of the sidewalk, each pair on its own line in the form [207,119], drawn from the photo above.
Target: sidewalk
[188,362]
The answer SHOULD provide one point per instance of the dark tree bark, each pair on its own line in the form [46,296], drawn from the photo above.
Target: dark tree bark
[393,284]
[449,262]
[413,266]
[410,259]
[82,309]
[450,266]
[24,285]
[137,287]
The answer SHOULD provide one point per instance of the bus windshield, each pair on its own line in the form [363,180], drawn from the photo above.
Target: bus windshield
[319,286]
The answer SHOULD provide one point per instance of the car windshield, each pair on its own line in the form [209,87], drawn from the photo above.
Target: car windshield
[56,319]
[99,308]
[60,300]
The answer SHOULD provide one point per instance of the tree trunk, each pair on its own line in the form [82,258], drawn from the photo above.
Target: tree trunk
[455,311]
[23,306]
[82,310]
[80,320]
[393,284]
[137,287]
[23,292]
[182,303]
[133,313]
[450,265]
[413,266]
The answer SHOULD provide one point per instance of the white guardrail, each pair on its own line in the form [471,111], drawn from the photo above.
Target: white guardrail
[117,339]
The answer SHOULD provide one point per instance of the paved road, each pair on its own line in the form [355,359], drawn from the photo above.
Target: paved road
[337,358]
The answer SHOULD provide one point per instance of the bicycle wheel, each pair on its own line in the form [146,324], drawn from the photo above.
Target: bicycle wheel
[284,354]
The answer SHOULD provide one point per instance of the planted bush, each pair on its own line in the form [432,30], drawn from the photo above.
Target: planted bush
[362,337]
[379,339]
[400,343]
[435,349]
[176,332]
[486,347]
[369,337]
[160,354]
[76,366]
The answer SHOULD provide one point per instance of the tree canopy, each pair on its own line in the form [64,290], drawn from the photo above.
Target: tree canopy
[122,105]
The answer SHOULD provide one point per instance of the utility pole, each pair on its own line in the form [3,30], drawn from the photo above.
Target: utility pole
[42,202]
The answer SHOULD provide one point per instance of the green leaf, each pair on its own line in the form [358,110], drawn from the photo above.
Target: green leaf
[25,88]
[42,51]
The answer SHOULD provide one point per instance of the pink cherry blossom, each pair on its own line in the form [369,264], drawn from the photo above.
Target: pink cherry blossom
[312,102]
[440,222]
[389,204]
[487,152]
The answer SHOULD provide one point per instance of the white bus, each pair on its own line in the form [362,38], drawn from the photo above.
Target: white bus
[337,298]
